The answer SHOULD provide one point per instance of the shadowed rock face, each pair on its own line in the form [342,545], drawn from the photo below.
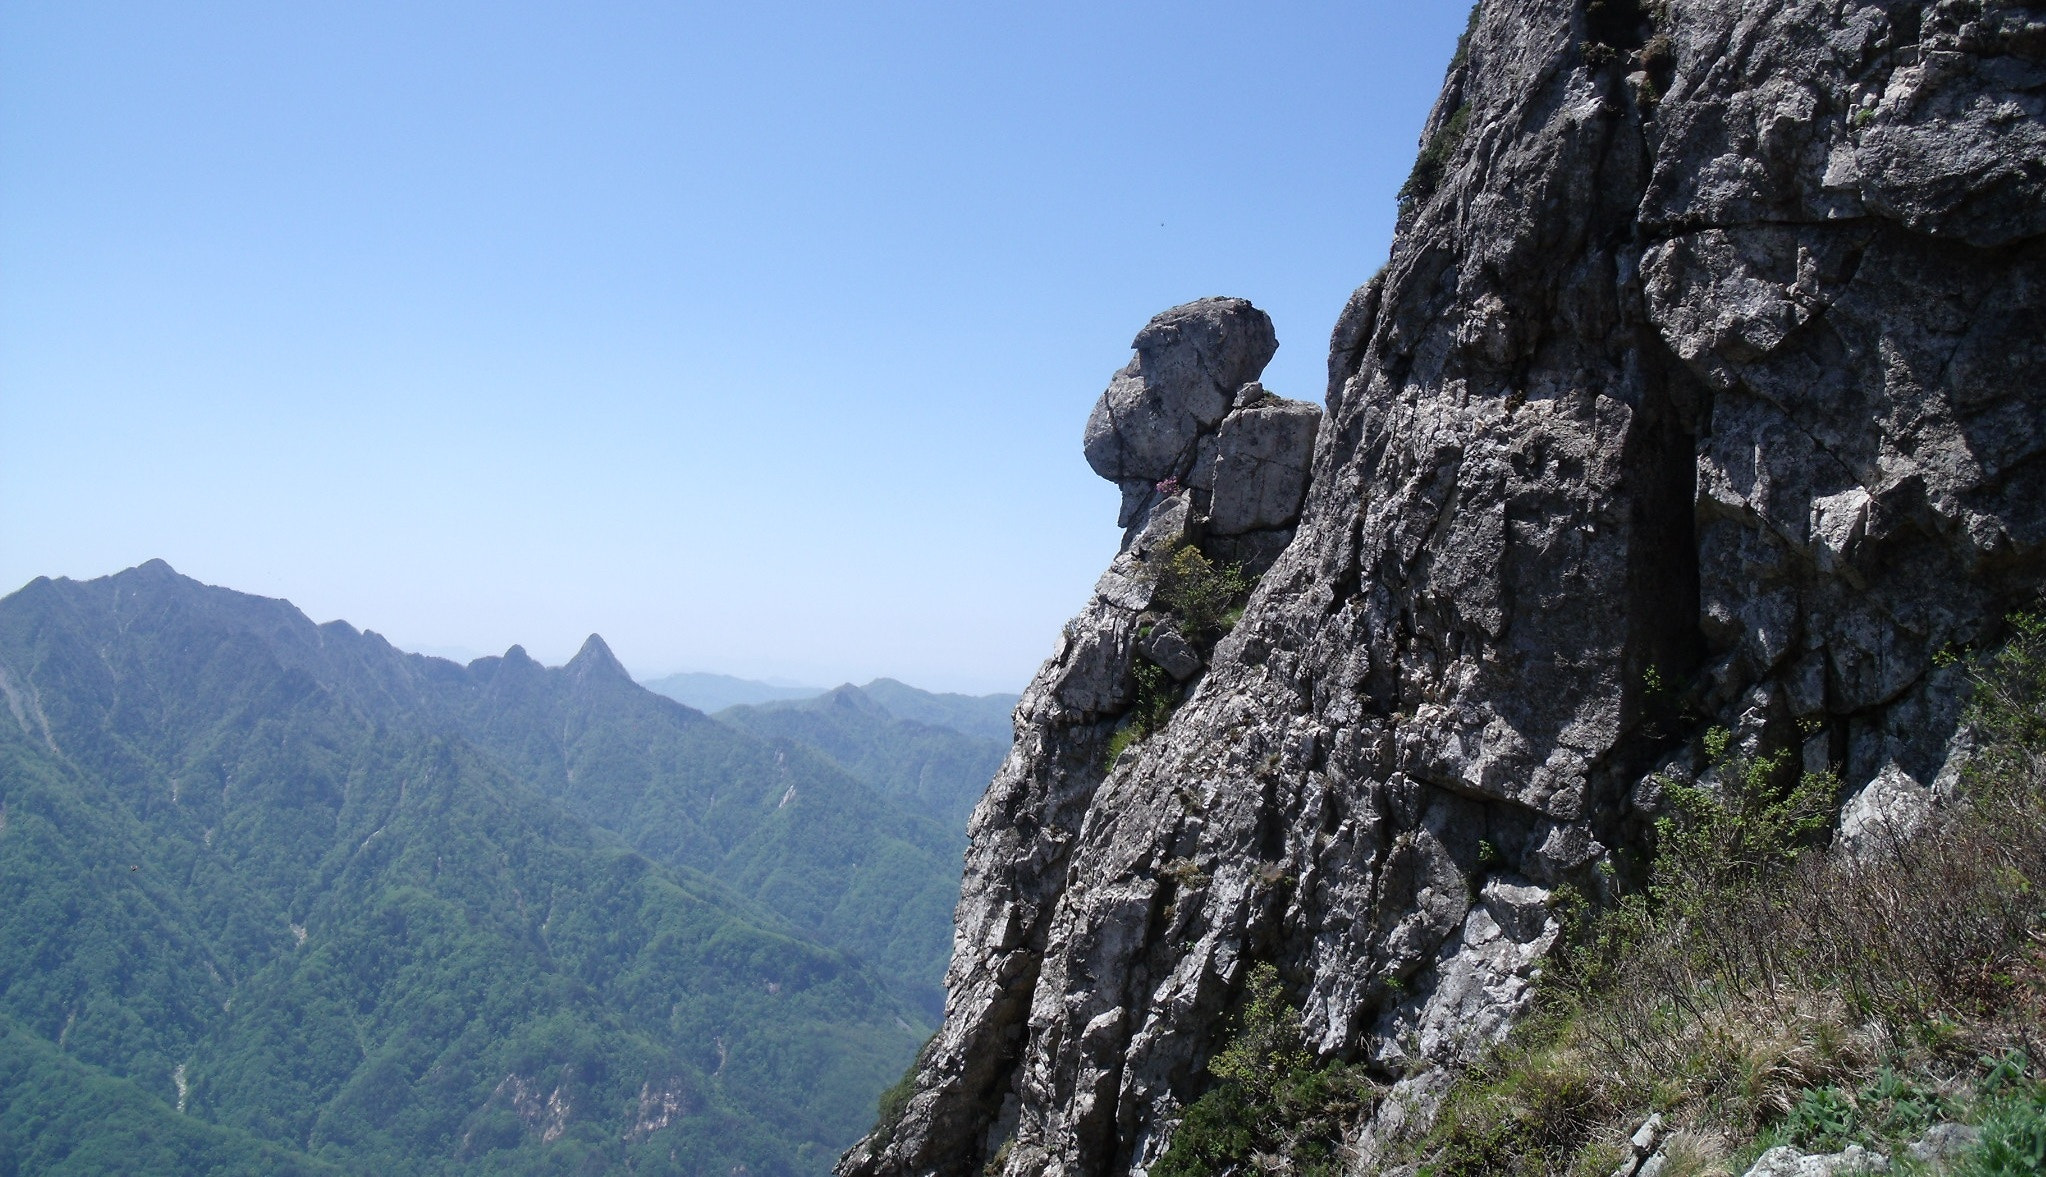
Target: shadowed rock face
[1718,348]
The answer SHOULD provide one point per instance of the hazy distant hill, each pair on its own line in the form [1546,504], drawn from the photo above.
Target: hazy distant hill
[407,916]
[938,765]
[715,692]
[984,716]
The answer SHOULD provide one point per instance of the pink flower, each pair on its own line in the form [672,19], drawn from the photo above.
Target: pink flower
[1169,487]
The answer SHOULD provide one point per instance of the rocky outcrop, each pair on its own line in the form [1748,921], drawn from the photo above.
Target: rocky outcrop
[1785,1161]
[1705,385]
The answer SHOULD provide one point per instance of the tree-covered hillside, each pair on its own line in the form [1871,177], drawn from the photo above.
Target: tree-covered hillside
[777,821]
[388,913]
[987,717]
[932,753]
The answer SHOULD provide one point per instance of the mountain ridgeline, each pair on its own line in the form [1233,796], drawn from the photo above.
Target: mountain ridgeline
[932,753]
[276,896]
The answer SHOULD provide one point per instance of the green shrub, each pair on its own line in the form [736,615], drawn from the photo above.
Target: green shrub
[1432,161]
[1206,597]
[2013,1140]
[1157,697]
[1726,837]
[1824,1120]
[1434,156]
[2007,711]
[1528,1107]
[1270,1098]
[894,1101]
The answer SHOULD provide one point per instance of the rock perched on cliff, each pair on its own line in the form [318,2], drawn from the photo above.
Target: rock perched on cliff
[1191,384]
[1711,346]
[1190,362]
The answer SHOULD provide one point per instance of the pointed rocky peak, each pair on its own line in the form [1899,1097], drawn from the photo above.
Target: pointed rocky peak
[849,698]
[596,661]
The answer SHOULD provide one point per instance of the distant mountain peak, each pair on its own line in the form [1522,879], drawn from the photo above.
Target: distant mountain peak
[595,660]
[848,696]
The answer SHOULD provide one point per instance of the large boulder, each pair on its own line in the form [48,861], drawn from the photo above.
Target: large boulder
[1190,362]
[1258,474]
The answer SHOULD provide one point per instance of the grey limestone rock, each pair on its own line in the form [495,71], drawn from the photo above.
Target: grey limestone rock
[1190,362]
[1785,1161]
[1643,1157]
[1258,474]
[1944,1142]
[1165,646]
[1889,808]
[1728,365]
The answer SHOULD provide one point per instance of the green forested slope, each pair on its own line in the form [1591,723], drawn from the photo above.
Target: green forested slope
[779,822]
[59,1116]
[322,893]
[932,753]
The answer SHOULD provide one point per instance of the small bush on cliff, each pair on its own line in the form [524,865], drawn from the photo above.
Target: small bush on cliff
[1433,161]
[1157,697]
[1206,597]
[1270,1100]
[894,1101]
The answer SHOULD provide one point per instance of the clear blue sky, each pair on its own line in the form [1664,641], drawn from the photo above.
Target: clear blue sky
[756,337]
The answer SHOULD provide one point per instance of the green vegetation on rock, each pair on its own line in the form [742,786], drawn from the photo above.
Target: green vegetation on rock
[1204,600]
[1761,989]
[1269,1098]
[1764,990]
[930,754]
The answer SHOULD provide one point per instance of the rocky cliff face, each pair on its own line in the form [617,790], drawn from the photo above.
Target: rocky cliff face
[1706,384]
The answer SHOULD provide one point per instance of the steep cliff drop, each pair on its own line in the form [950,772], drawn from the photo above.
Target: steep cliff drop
[1711,352]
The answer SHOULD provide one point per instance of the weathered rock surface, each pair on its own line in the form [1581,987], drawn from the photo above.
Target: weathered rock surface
[1887,810]
[1645,1157]
[1718,349]
[1190,363]
[1944,1142]
[1785,1161]
[1262,457]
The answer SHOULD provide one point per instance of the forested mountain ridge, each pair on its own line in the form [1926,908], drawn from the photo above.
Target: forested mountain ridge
[780,822]
[937,765]
[715,692]
[363,905]
[987,717]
